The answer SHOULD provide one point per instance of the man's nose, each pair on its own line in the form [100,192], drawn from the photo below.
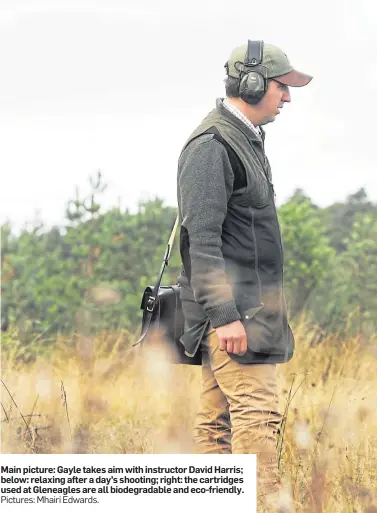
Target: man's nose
[286,96]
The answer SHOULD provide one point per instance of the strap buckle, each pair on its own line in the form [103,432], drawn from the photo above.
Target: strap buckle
[151,303]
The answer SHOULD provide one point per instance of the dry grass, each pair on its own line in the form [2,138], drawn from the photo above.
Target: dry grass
[103,397]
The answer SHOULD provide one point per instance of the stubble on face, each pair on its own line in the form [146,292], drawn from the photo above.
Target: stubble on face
[271,102]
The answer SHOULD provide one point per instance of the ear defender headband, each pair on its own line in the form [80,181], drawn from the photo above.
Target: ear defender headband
[253,82]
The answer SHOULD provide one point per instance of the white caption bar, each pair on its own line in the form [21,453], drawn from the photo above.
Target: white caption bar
[175,482]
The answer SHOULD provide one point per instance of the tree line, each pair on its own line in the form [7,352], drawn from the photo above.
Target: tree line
[89,274]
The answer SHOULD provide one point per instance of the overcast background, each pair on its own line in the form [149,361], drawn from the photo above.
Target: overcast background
[119,86]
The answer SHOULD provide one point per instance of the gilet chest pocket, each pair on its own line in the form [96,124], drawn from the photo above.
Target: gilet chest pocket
[259,193]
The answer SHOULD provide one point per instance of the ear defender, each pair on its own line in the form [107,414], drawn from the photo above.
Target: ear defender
[252,88]
[253,84]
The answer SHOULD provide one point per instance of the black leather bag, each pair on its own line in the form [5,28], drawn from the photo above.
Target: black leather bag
[163,320]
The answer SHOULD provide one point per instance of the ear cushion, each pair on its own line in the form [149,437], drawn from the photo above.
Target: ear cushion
[252,87]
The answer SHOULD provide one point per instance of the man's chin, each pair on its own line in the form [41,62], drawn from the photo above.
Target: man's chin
[269,120]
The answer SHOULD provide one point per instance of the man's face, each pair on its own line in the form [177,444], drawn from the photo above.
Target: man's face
[276,95]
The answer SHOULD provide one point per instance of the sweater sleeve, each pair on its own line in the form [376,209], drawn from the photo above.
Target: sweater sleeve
[205,184]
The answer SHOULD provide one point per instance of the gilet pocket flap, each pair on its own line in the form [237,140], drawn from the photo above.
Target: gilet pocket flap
[251,312]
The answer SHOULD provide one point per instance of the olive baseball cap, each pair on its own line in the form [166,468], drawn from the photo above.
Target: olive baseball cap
[275,63]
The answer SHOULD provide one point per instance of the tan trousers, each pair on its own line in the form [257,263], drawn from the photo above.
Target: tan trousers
[239,414]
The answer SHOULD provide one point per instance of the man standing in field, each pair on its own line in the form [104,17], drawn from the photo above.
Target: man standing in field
[232,254]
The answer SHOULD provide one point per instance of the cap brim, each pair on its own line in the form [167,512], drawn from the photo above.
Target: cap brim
[294,79]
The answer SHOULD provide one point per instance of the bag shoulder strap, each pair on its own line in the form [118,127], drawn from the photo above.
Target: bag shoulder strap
[152,300]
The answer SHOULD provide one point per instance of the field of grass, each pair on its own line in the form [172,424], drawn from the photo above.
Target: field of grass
[103,397]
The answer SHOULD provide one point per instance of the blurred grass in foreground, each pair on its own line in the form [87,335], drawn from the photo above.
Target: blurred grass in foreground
[104,397]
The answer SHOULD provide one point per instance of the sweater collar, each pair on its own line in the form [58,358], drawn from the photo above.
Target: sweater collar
[248,131]
[234,110]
